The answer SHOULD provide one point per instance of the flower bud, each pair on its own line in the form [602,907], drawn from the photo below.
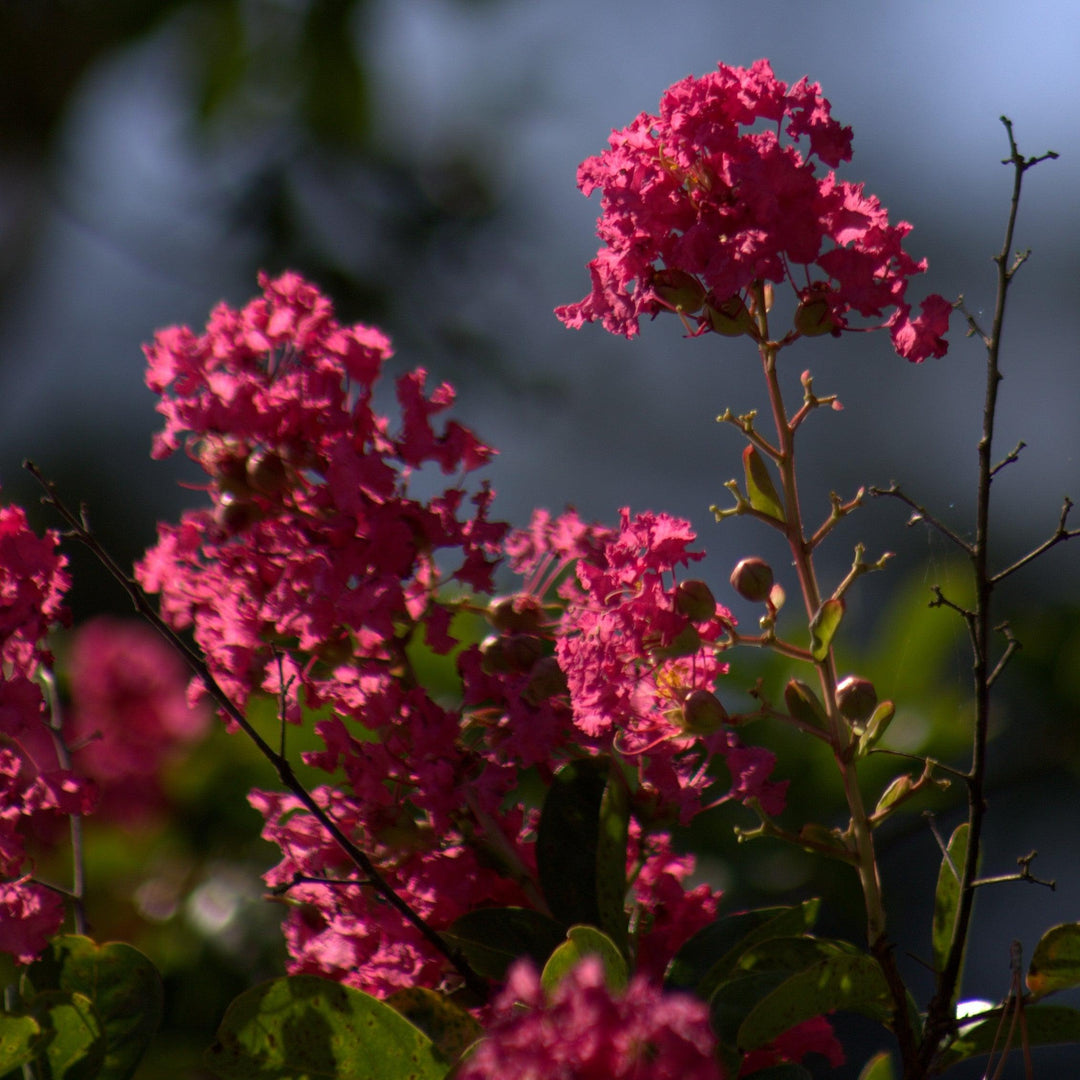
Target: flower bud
[235,515]
[685,643]
[226,461]
[517,614]
[752,579]
[678,290]
[856,699]
[266,472]
[516,653]
[729,317]
[701,713]
[546,680]
[814,317]
[695,600]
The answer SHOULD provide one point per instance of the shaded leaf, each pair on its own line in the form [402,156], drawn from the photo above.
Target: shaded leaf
[579,829]
[1055,963]
[493,938]
[897,789]
[1046,1025]
[447,1025]
[823,627]
[851,982]
[759,486]
[582,941]
[947,895]
[303,1027]
[876,726]
[73,1047]
[711,954]
[804,705]
[19,1040]
[123,985]
[879,1067]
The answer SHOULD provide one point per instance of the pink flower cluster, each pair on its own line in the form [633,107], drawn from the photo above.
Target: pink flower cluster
[315,576]
[707,198]
[584,1031]
[33,788]
[129,715]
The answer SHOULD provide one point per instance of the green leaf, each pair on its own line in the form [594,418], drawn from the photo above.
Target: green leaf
[823,627]
[852,982]
[19,1040]
[493,938]
[1046,1025]
[446,1024]
[712,953]
[123,985]
[759,486]
[335,90]
[792,954]
[1055,963]
[581,840]
[879,1067]
[306,1028]
[74,1044]
[897,789]
[804,705]
[876,726]
[947,895]
[585,941]
[735,999]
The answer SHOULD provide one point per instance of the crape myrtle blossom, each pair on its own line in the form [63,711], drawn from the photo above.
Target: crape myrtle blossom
[708,199]
[33,787]
[315,576]
[583,1030]
[129,715]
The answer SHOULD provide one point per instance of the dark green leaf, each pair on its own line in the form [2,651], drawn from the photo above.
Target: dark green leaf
[823,627]
[586,941]
[306,1028]
[335,88]
[19,1040]
[73,1047]
[947,895]
[735,999]
[712,953]
[493,938]
[879,1067]
[852,982]
[611,859]
[1055,963]
[445,1023]
[1046,1025]
[578,829]
[123,985]
[803,704]
[759,486]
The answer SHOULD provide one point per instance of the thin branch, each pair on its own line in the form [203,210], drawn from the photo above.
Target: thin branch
[922,514]
[1012,647]
[80,530]
[1013,455]
[1060,533]
[1024,874]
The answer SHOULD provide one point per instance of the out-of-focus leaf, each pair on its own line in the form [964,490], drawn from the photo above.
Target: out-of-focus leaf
[305,1028]
[879,1067]
[335,92]
[19,1037]
[445,1023]
[823,627]
[1055,963]
[493,938]
[1046,1025]
[947,895]
[582,941]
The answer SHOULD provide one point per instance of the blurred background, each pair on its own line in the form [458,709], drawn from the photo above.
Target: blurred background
[417,159]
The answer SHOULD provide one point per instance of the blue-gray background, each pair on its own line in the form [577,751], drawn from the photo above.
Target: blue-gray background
[157,155]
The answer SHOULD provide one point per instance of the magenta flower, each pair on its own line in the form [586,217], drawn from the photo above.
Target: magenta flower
[584,1031]
[129,713]
[707,199]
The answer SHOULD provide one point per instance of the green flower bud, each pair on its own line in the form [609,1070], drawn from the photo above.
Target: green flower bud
[752,579]
[546,680]
[517,614]
[266,472]
[695,600]
[856,699]
[701,713]
[685,643]
[729,317]
[678,290]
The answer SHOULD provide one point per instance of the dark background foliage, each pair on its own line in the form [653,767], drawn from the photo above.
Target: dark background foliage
[417,160]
